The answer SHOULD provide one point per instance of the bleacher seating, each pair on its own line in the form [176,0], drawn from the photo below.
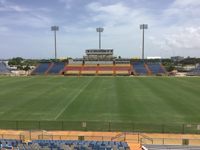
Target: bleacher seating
[56,68]
[78,145]
[122,69]
[139,68]
[89,70]
[73,69]
[105,69]
[99,62]
[98,69]
[9,143]
[195,72]
[156,68]
[41,68]
[169,147]
[4,69]
[6,144]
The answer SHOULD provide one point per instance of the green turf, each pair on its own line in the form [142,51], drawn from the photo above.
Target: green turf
[140,100]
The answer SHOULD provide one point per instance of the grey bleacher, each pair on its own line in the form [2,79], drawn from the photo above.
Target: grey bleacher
[122,61]
[98,62]
[3,68]
[169,147]
[75,61]
[195,72]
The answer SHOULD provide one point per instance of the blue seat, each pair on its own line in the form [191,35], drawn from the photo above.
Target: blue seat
[139,68]
[81,145]
[156,68]
[42,68]
[57,68]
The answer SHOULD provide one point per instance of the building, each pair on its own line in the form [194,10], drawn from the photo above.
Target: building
[177,58]
[98,55]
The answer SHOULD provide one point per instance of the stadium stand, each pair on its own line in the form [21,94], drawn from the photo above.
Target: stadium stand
[156,68]
[98,69]
[77,61]
[169,147]
[4,69]
[9,143]
[105,69]
[98,62]
[122,61]
[73,69]
[89,70]
[122,69]
[78,145]
[42,68]
[139,68]
[57,68]
[195,72]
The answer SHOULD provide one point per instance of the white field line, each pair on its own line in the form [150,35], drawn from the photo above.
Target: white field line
[78,93]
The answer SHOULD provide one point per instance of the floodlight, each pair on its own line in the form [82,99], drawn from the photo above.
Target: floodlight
[143,27]
[55,28]
[99,30]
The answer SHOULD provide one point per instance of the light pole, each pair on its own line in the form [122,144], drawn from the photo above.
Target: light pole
[55,28]
[143,27]
[99,30]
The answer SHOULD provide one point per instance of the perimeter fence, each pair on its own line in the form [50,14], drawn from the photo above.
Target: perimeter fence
[101,126]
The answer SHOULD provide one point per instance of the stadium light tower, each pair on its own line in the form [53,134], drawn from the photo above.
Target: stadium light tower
[55,28]
[99,30]
[143,27]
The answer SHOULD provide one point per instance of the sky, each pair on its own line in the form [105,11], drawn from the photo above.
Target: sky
[25,27]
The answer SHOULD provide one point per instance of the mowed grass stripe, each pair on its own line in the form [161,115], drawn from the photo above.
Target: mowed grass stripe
[181,100]
[42,99]
[123,99]
[73,98]
[95,103]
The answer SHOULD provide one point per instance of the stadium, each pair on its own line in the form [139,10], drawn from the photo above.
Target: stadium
[99,100]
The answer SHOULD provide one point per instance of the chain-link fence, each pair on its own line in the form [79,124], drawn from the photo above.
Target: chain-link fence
[101,126]
[12,136]
[170,141]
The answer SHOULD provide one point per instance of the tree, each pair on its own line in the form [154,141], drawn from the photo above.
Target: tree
[170,68]
[15,61]
[26,68]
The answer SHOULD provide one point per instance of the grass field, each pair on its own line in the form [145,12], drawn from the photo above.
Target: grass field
[148,100]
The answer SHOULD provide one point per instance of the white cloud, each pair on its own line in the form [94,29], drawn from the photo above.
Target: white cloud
[186,3]
[67,3]
[6,6]
[184,12]
[23,16]
[35,20]
[176,27]
[187,38]
[180,29]
[3,29]
[117,14]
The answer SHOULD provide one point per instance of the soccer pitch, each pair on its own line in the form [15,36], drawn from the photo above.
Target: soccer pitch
[151,100]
